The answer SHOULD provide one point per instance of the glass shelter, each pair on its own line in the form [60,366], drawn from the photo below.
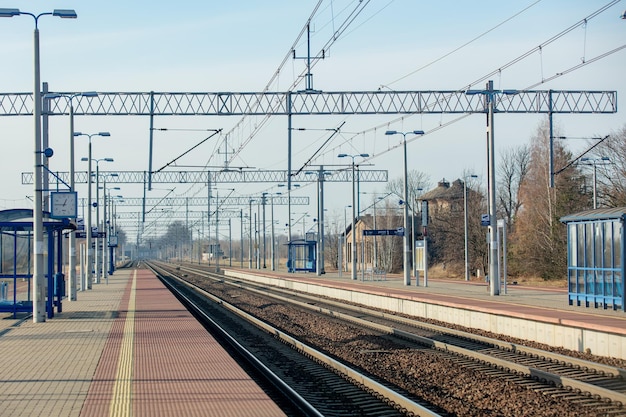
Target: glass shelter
[16,242]
[595,257]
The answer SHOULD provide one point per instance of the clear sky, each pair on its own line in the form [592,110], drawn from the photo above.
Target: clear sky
[209,46]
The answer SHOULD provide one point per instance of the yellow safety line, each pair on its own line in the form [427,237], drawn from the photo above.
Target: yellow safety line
[121,404]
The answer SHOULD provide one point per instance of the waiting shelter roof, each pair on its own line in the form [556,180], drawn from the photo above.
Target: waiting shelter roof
[22,220]
[596,214]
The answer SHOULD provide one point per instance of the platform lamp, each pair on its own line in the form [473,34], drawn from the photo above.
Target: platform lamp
[105,223]
[407,245]
[593,162]
[353,251]
[72,236]
[38,248]
[88,279]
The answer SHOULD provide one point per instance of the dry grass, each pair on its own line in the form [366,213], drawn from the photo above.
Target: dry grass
[438,272]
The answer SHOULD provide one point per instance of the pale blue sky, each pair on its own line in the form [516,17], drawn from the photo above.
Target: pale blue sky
[238,45]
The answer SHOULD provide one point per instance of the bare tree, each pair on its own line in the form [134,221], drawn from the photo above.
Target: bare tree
[416,181]
[512,171]
[538,241]
[611,177]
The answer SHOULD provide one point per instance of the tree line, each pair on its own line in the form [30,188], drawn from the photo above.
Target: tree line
[530,207]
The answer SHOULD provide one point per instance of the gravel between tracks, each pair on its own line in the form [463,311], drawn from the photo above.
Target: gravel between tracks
[462,391]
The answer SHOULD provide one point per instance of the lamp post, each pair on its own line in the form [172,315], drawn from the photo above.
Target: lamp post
[263,202]
[595,161]
[72,237]
[413,236]
[105,244]
[250,235]
[88,277]
[407,246]
[272,240]
[344,262]
[376,243]
[353,249]
[320,262]
[494,270]
[38,247]
[467,271]
[97,207]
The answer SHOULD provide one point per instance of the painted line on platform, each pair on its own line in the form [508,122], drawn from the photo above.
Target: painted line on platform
[121,402]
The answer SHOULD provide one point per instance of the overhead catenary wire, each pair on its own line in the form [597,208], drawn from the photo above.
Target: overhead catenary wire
[342,27]
[360,6]
[498,70]
[509,64]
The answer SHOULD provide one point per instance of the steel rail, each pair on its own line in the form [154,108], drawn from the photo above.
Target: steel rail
[394,397]
[558,380]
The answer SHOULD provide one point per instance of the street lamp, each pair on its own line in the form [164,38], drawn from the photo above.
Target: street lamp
[375,243]
[72,237]
[38,248]
[319,267]
[467,271]
[272,239]
[263,202]
[595,161]
[105,244]
[250,239]
[97,207]
[353,249]
[89,278]
[407,246]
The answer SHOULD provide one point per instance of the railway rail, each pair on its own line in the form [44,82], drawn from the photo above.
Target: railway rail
[588,387]
[308,382]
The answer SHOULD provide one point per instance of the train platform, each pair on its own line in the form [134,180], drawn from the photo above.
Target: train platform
[123,348]
[534,313]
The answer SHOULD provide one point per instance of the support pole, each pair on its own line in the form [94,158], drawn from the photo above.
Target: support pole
[494,278]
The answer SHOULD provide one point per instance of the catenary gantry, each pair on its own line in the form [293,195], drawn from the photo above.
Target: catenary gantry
[214,177]
[312,103]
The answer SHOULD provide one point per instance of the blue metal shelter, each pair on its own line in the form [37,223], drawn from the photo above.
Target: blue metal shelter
[16,226]
[596,249]
[302,256]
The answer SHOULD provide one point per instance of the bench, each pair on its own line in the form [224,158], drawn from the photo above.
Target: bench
[374,274]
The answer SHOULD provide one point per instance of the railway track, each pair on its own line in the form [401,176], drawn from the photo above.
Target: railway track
[595,387]
[305,382]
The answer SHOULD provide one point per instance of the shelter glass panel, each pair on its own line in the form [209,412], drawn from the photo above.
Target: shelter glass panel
[581,281]
[580,244]
[598,243]
[608,247]
[599,276]
[608,283]
[617,243]
[589,280]
[588,245]
[572,245]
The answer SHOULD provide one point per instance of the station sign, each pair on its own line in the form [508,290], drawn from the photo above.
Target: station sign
[94,235]
[384,232]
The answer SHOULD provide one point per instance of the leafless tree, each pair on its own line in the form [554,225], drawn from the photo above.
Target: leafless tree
[512,170]
[538,240]
[611,177]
